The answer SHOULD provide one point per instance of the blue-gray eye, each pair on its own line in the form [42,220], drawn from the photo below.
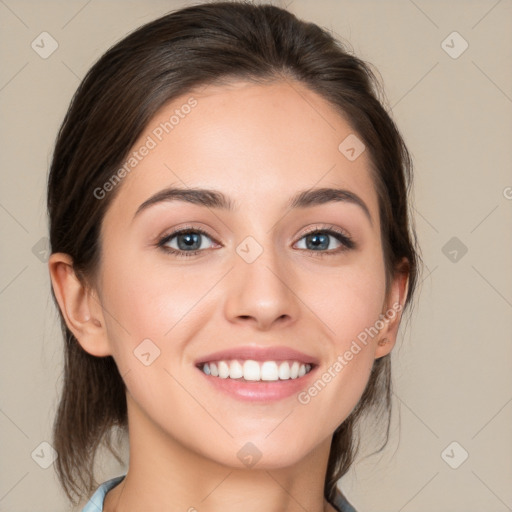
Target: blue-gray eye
[320,240]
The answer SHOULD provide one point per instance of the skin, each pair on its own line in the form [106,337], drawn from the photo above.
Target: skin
[258,144]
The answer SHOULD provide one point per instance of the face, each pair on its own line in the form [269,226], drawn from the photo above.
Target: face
[260,274]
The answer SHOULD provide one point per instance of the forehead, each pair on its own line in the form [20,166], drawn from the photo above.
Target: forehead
[256,142]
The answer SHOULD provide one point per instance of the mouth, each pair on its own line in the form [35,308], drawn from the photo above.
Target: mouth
[258,374]
[250,370]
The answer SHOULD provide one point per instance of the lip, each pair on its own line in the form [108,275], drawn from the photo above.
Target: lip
[261,391]
[258,353]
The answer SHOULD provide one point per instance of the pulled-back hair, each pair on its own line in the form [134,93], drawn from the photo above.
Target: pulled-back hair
[196,46]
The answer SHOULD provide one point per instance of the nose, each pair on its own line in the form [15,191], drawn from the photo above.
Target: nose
[262,293]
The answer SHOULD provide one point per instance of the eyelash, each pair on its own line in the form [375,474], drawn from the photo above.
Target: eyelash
[344,239]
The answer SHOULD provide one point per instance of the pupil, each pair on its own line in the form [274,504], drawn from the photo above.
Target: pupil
[191,241]
[324,244]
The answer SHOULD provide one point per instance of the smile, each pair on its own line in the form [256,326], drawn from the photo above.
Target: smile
[258,381]
[255,371]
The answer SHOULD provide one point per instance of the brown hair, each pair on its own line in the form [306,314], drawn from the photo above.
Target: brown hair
[196,46]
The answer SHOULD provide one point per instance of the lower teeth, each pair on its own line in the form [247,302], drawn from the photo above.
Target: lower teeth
[242,379]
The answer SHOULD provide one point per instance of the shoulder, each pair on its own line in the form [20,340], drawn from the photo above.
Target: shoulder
[95,504]
[341,503]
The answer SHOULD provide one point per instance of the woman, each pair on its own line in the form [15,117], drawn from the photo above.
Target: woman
[231,256]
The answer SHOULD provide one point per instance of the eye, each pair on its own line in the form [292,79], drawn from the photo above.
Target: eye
[190,241]
[319,240]
[184,242]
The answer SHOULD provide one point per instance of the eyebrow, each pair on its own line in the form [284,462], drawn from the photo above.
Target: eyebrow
[215,199]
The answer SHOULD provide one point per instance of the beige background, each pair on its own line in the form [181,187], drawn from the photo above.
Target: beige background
[452,367]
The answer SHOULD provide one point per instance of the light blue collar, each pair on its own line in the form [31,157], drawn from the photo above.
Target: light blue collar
[95,504]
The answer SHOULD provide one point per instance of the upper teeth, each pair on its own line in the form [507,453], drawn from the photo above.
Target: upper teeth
[255,370]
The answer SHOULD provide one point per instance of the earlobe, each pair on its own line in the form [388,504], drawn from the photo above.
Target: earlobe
[393,308]
[79,305]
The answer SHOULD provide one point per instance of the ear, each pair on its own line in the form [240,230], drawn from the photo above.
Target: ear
[79,305]
[392,310]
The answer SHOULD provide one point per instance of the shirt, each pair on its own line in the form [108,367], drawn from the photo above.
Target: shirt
[95,504]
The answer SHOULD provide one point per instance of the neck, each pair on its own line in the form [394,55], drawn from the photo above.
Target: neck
[163,472]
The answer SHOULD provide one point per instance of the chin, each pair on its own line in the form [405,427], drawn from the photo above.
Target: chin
[260,453]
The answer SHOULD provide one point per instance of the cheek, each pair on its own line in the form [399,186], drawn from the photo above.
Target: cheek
[152,300]
[349,302]
[348,299]
[349,305]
